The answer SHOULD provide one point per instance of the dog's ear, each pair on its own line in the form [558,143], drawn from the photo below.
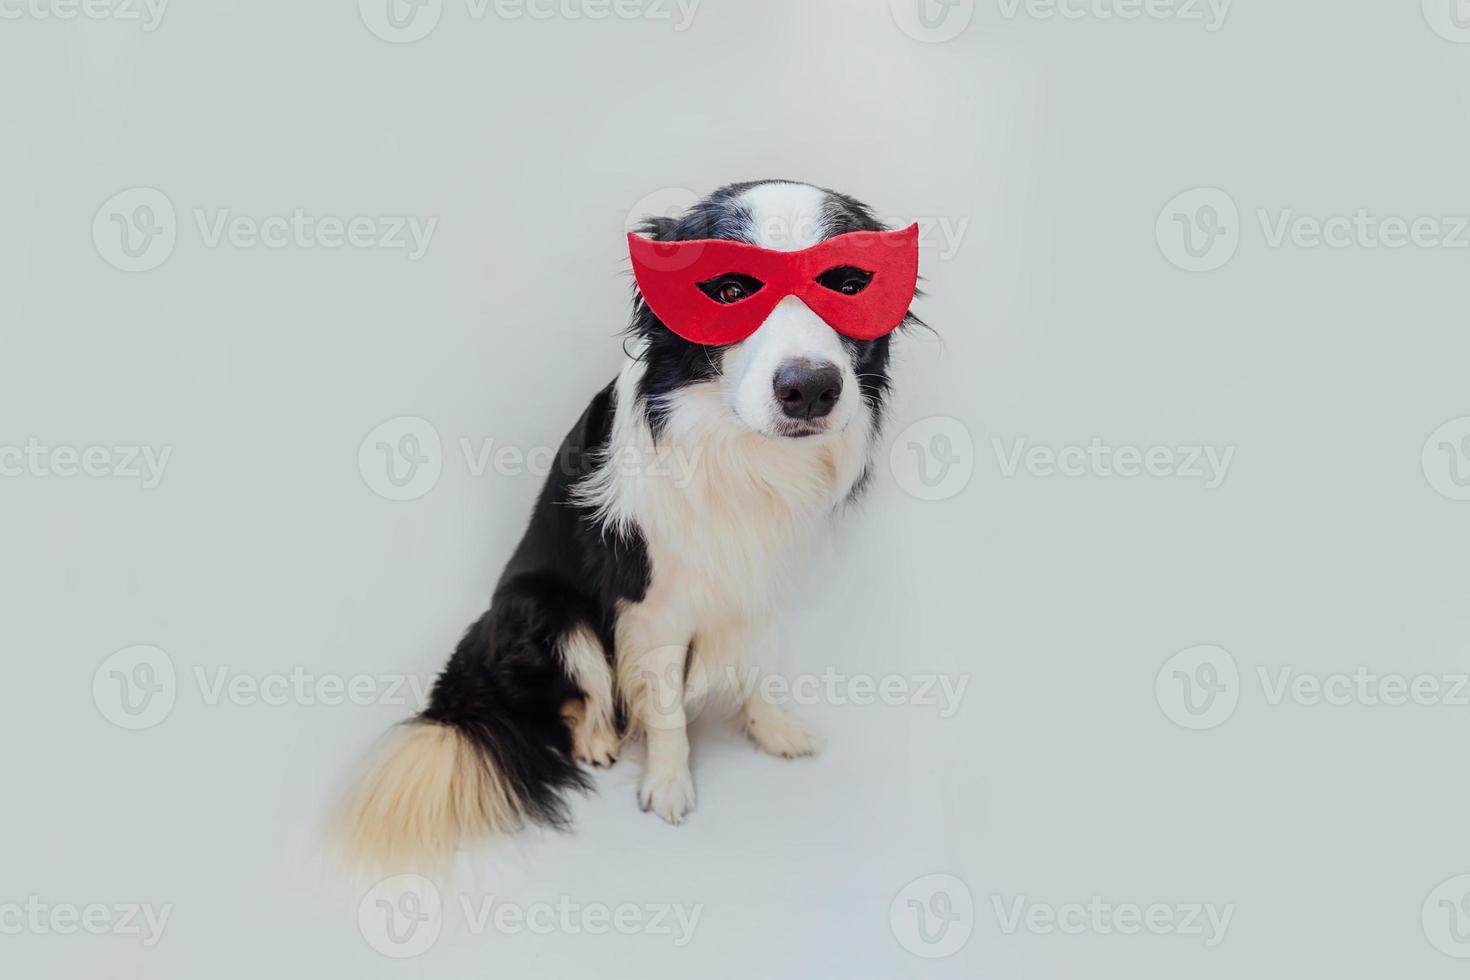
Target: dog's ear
[658,229]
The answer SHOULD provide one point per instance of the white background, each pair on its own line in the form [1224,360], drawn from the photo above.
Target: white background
[1051,145]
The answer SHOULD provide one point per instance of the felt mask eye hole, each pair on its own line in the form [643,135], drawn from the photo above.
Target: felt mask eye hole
[732,287]
[845,279]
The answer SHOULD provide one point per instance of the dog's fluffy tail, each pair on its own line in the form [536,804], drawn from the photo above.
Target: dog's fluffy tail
[429,788]
[491,753]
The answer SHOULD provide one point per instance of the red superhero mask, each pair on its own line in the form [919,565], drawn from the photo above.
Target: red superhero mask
[713,291]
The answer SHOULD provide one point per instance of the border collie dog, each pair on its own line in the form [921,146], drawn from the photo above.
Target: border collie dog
[658,554]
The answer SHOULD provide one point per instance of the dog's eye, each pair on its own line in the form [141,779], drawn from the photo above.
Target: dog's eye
[732,287]
[845,279]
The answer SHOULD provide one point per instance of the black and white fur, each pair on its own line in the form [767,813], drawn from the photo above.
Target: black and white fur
[633,592]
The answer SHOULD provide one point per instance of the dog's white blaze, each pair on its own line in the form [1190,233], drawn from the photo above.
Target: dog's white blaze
[791,331]
[786,217]
[729,530]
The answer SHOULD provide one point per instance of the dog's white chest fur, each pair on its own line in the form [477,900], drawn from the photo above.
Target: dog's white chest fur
[724,512]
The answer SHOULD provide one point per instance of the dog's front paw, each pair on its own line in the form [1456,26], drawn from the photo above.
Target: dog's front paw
[670,794]
[780,734]
[597,747]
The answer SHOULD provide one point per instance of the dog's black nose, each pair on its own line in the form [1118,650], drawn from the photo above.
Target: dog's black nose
[807,389]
